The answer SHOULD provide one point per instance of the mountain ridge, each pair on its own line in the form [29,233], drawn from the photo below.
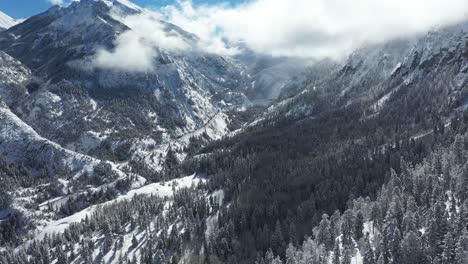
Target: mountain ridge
[6,21]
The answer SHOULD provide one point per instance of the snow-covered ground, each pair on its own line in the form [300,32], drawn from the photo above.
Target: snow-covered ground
[21,144]
[215,128]
[162,189]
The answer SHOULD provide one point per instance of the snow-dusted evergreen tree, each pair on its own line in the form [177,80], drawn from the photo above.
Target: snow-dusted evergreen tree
[347,227]
[412,250]
[449,246]
[323,234]
[347,255]
[291,257]
[358,226]
[336,257]
[461,251]
[369,255]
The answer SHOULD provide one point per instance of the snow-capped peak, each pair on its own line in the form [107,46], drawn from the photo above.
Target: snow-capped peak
[128,4]
[6,21]
[118,7]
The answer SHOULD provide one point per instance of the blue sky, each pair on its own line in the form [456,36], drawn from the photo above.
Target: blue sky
[27,8]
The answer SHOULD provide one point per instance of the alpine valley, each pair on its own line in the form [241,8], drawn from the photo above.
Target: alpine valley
[245,158]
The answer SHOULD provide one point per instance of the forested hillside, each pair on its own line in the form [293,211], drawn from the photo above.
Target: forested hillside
[208,158]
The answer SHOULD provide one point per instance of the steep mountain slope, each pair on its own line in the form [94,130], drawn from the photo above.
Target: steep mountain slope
[20,143]
[78,133]
[48,173]
[112,113]
[338,139]
[6,21]
[400,70]
[360,77]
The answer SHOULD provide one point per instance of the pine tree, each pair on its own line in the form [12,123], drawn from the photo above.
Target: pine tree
[383,246]
[62,257]
[409,222]
[369,257]
[269,256]
[381,259]
[411,248]
[134,241]
[437,229]
[291,255]
[375,215]
[336,253]
[323,234]
[449,247]
[277,260]
[358,226]
[461,251]
[347,255]
[277,240]
[121,258]
[395,246]
[335,225]
[171,159]
[347,227]
[160,257]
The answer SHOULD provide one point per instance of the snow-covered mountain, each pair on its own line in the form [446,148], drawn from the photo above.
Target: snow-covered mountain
[102,111]
[391,116]
[6,21]
[95,134]
[376,74]
[94,160]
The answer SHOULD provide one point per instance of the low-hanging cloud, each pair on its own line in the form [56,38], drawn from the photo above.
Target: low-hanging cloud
[316,28]
[135,49]
[291,28]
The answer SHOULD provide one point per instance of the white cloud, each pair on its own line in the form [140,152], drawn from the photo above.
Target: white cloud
[295,28]
[315,28]
[136,49]
[56,2]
